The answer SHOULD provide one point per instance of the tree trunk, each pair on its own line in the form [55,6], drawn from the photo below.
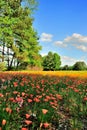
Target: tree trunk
[10,66]
[8,57]
[17,64]
[3,51]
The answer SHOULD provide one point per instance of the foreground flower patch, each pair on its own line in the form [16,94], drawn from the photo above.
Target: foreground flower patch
[32,102]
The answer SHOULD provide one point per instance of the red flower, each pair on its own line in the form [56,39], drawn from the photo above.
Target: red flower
[48,97]
[29,100]
[46,100]
[31,95]
[27,116]
[46,125]
[59,96]
[38,86]
[23,94]
[44,111]
[9,110]
[12,99]
[85,99]
[28,122]
[36,99]
[1,95]
[15,84]
[3,122]
[15,92]
[76,90]
[23,128]
[22,84]
[19,99]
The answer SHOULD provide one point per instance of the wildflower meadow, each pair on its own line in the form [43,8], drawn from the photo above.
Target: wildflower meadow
[39,101]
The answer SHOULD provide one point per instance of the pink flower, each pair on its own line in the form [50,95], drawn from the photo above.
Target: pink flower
[20,101]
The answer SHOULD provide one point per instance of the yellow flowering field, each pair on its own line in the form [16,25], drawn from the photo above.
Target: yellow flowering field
[81,74]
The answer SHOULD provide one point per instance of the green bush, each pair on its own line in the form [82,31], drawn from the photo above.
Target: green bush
[80,65]
[2,66]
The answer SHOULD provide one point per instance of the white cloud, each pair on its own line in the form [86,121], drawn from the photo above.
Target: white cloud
[83,39]
[60,43]
[66,60]
[46,37]
[82,47]
[76,37]
[76,40]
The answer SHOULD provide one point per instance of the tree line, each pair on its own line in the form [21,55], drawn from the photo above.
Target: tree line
[19,41]
[52,61]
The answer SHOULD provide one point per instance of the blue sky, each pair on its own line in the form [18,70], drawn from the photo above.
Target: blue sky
[62,28]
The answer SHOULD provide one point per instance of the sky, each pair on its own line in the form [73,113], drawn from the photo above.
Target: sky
[62,28]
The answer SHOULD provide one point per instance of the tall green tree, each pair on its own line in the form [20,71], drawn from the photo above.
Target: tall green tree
[80,65]
[51,61]
[18,39]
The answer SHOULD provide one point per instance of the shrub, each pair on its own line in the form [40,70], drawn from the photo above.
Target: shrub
[2,66]
[80,65]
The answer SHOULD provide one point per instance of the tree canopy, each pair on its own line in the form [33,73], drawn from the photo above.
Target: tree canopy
[80,65]
[18,39]
[51,61]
